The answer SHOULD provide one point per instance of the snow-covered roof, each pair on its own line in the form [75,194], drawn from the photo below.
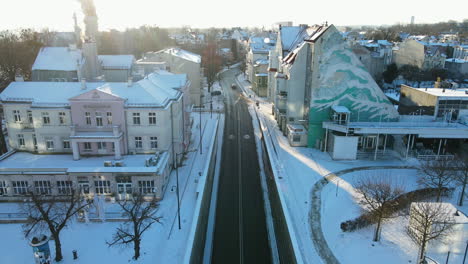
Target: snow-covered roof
[456,60]
[23,161]
[58,59]
[155,90]
[261,62]
[340,109]
[116,61]
[289,35]
[444,92]
[261,74]
[187,55]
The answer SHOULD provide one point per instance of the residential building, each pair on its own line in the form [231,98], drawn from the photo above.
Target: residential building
[257,62]
[460,52]
[117,68]
[181,62]
[316,70]
[423,55]
[86,119]
[59,64]
[62,64]
[457,67]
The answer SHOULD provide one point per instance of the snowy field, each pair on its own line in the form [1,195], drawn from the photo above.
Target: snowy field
[163,243]
[340,204]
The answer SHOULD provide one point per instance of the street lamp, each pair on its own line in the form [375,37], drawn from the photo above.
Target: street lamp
[177,186]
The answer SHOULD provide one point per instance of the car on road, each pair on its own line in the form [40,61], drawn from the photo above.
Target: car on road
[234,86]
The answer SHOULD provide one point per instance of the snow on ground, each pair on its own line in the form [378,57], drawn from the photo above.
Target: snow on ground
[340,204]
[296,170]
[163,243]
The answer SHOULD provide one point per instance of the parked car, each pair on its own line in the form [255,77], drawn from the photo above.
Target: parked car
[214,93]
[234,86]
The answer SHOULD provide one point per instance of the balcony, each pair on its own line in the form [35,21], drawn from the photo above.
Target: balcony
[113,131]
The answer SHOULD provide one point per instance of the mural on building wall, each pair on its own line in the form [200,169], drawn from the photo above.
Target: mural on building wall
[343,80]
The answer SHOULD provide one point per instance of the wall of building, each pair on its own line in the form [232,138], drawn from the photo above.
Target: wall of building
[339,78]
[54,76]
[181,66]
[412,100]
[344,147]
[411,52]
[54,130]
[116,75]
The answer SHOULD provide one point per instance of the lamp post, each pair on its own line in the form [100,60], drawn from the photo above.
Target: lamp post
[177,188]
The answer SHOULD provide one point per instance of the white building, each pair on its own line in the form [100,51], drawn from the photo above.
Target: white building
[181,62]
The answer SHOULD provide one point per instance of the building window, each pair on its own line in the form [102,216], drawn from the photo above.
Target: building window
[62,120]
[296,138]
[3,188]
[42,187]
[30,117]
[83,186]
[109,118]
[87,146]
[45,118]
[88,118]
[102,187]
[152,118]
[21,140]
[64,187]
[17,116]
[136,118]
[20,187]
[138,143]
[49,143]
[146,187]
[101,145]
[35,142]
[98,119]
[154,142]
[66,144]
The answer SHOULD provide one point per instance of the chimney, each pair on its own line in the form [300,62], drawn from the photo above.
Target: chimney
[130,81]
[83,84]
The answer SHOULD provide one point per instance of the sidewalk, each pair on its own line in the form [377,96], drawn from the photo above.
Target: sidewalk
[163,243]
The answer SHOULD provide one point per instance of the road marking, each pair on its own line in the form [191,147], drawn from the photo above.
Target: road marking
[241,235]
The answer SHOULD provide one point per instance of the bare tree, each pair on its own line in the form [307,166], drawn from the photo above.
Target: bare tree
[52,213]
[211,62]
[461,176]
[378,197]
[141,214]
[437,174]
[429,221]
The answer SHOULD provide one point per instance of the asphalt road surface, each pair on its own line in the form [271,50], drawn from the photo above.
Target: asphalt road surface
[240,233]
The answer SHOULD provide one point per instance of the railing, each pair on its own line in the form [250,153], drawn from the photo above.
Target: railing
[108,128]
[436,157]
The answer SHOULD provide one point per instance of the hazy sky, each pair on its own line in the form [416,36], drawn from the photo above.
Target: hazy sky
[119,14]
